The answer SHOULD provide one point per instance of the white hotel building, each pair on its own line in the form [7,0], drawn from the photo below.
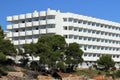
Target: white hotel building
[95,36]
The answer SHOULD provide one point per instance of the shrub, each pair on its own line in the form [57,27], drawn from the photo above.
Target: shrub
[3,71]
[117,73]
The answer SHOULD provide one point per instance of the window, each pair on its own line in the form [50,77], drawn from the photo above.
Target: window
[84,22]
[89,39]
[36,28]
[94,55]
[97,32]
[75,37]
[70,27]
[70,36]
[85,54]
[93,24]
[75,29]
[101,25]
[80,29]
[65,27]
[43,18]
[75,20]
[80,21]
[89,31]
[16,30]
[70,19]
[93,31]
[89,23]
[23,21]
[85,38]
[65,36]
[42,27]
[113,56]
[65,19]
[97,24]
[98,55]
[80,38]
[23,29]
[84,30]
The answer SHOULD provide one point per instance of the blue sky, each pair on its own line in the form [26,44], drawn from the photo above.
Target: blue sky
[104,9]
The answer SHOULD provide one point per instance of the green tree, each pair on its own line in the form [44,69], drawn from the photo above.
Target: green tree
[73,55]
[1,33]
[50,48]
[106,61]
[6,47]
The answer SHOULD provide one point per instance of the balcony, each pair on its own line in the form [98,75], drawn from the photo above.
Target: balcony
[15,18]
[15,34]
[43,22]
[43,31]
[52,30]
[9,34]
[35,31]
[42,13]
[35,40]
[28,32]
[51,21]
[15,26]
[36,23]
[28,15]
[51,12]
[35,14]
[22,25]
[9,18]
[16,42]
[28,24]
[22,16]
[22,41]
[28,41]
[22,33]
[9,27]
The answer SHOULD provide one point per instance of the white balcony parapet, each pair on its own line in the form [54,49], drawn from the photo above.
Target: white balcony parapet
[51,12]
[42,13]
[29,15]
[35,14]
[9,18]
[15,17]
[43,22]
[35,23]
[22,16]
[51,21]
[28,24]
[9,27]
[15,26]
[22,25]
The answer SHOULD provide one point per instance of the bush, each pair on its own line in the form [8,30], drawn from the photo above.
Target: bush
[3,71]
[117,73]
[34,66]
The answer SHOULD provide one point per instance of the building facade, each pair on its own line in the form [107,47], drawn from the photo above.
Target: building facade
[95,36]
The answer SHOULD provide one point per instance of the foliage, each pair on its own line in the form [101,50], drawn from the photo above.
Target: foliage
[3,71]
[106,61]
[34,66]
[1,33]
[117,74]
[54,53]
[6,46]
[73,55]
[2,57]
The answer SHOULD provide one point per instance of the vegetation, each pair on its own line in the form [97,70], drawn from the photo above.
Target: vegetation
[106,61]
[6,48]
[54,52]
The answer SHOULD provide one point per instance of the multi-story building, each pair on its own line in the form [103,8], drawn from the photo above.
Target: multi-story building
[95,36]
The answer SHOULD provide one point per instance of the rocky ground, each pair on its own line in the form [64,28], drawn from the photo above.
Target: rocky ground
[22,74]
